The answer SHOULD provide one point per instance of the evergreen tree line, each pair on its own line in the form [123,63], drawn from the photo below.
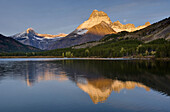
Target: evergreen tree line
[116,48]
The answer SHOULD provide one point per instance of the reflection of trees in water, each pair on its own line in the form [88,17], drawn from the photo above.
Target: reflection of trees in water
[32,72]
[154,74]
[119,67]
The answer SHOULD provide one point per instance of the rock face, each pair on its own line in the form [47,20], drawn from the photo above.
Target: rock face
[10,45]
[118,27]
[41,41]
[95,18]
[52,36]
[101,29]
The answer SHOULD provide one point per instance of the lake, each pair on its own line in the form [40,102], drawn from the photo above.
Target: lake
[75,85]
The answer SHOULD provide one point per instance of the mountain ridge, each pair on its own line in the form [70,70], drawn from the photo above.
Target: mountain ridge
[153,32]
[41,41]
[98,25]
[77,37]
[45,35]
[8,44]
[95,18]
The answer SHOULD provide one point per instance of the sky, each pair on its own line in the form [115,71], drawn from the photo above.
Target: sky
[64,16]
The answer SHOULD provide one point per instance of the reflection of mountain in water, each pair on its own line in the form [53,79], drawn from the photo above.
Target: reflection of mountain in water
[97,78]
[99,90]
[32,72]
[43,72]
[48,76]
[154,74]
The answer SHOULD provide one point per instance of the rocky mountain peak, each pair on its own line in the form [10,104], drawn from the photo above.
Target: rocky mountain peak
[97,13]
[117,23]
[30,31]
[118,27]
[41,41]
[95,18]
[147,23]
[129,25]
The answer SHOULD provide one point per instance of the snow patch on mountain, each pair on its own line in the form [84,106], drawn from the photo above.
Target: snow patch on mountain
[81,31]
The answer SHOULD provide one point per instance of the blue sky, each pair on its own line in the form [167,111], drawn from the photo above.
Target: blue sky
[63,16]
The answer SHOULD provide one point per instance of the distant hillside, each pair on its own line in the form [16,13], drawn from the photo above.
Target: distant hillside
[8,44]
[155,31]
[116,48]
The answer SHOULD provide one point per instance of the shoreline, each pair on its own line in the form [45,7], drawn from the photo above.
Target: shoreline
[85,58]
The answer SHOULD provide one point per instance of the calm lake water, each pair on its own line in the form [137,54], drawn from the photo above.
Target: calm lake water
[57,85]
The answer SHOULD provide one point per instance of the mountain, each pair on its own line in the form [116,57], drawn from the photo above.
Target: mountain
[98,25]
[8,44]
[155,31]
[159,30]
[118,27]
[152,41]
[95,18]
[80,36]
[93,29]
[41,41]
[52,36]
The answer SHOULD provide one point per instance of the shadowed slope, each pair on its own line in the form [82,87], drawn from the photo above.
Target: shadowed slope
[10,45]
